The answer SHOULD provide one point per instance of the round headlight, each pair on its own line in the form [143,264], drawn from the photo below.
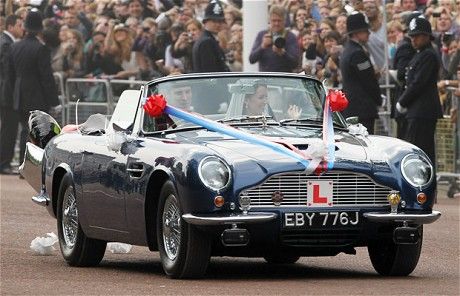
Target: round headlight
[214,173]
[417,170]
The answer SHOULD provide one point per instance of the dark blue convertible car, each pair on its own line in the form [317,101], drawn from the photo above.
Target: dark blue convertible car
[256,179]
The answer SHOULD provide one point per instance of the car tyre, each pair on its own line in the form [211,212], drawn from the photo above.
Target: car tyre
[76,248]
[391,259]
[281,259]
[184,249]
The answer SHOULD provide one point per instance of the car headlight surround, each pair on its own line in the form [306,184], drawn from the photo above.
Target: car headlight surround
[416,170]
[214,173]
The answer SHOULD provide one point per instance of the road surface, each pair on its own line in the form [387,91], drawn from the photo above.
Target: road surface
[139,272]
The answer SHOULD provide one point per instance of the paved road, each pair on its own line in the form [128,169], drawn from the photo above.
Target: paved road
[140,273]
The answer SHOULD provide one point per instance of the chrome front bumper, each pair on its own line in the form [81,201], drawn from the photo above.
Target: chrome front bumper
[249,218]
[401,217]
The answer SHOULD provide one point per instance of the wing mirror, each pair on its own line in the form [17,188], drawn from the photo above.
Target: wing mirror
[352,120]
[117,138]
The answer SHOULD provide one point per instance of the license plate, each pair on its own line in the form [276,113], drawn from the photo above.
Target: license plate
[321,219]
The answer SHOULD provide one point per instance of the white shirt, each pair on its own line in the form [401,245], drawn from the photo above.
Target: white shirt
[10,35]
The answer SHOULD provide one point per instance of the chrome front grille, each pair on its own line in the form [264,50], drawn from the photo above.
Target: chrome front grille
[349,189]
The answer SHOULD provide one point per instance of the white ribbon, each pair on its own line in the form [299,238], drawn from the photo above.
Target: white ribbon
[358,130]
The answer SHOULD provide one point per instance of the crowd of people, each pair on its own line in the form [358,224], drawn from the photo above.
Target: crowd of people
[145,39]
[150,38]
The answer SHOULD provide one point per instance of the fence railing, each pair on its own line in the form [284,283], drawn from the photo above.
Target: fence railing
[81,97]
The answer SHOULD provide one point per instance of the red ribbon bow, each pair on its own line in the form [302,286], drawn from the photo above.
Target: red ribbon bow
[155,105]
[337,100]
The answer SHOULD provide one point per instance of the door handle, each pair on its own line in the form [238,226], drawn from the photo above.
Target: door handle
[135,170]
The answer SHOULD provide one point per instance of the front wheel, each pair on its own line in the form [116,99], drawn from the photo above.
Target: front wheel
[392,259]
[184,249]
[76,248]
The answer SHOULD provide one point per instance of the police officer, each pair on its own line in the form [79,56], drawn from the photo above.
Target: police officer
[207,55]
[358,76]
[404,53]
[420,100]
[30,75]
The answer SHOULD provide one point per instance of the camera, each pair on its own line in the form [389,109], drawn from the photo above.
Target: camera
[278,40]
[447,38]
[230,57]
[310,52]
[436,14]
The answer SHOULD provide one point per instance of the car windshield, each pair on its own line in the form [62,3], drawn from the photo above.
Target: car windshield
[241,99]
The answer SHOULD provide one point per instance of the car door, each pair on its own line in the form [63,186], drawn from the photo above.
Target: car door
[104,186]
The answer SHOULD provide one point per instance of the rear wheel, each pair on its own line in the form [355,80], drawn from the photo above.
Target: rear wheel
[184,249]
[76,248]
[281,259]
[392,259]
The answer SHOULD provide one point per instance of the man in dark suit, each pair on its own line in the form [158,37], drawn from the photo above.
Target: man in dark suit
[207,55]
[358,76]
[420,100]
[8,122]
[30,75]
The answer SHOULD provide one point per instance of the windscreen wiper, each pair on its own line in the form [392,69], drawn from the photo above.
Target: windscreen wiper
[246,118]
[314,120]
[309,120]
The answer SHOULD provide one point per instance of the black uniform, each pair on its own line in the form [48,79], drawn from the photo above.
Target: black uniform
[208,56]
[8,122]
[360,85]
[31,79]
[404,53]
[421,99]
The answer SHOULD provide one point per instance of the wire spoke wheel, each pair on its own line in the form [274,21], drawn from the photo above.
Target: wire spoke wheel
[184,249]
[172,234]
[76,248]
[70,218]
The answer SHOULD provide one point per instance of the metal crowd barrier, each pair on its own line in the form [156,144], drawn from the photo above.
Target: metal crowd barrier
[86,96]
[117,86]
[448,147]
[384,125]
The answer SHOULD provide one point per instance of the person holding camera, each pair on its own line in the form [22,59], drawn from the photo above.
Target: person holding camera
[71,62]
[183,46]
[276,49]
[331,70]
[300,22]
[207,54]
[441,22]
[77,20]
[235,50]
